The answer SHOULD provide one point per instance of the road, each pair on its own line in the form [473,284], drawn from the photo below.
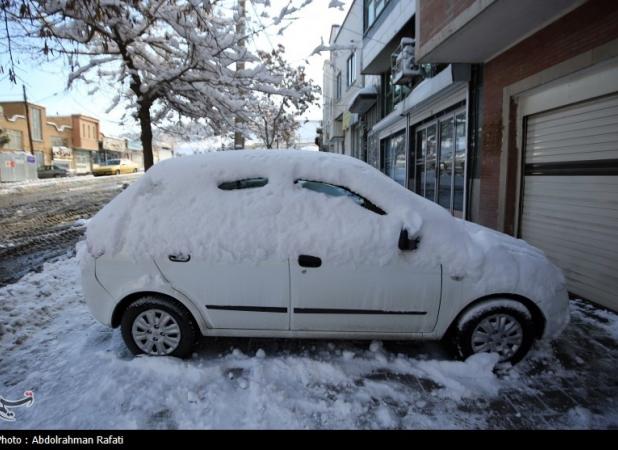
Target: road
[40,221]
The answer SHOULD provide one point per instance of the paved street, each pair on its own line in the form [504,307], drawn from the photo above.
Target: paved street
[38,220]
[568,383]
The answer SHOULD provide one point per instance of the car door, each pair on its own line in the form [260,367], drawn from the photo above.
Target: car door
[365,296]
[252,295]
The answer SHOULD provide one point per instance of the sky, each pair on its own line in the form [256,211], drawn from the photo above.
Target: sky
[46,84]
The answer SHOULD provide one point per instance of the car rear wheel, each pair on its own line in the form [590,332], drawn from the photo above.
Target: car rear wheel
[158,327]
[504,327]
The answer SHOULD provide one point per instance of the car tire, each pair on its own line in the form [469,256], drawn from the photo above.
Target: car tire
[498,325]
[117,172]
[132,324]
[134,170]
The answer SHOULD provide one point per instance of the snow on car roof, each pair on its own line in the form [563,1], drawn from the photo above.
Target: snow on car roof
[177,207]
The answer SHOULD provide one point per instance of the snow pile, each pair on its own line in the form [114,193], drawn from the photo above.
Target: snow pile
[83,376]
[35,300]
[336,385]
[464,379]
[177,207]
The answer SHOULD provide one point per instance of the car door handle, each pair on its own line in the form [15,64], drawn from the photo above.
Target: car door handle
[180,258]
[309,261]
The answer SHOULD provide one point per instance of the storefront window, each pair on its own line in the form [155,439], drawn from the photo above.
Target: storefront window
[446,163]
[431,164]
[394,158]
[82,161]
[372,150]
[440,160]
[460,165]
[418,153]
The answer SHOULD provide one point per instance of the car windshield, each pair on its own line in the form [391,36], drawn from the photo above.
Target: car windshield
[113,162]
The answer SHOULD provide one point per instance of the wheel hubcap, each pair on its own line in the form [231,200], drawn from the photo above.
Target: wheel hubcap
[498,333]
[156,332]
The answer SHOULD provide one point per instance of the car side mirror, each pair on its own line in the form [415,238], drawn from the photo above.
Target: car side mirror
[407,244]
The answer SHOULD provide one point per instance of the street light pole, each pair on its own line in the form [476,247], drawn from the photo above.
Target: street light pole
[28,119]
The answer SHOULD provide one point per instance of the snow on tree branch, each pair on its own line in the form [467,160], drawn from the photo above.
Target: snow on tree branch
[164,60]
[333,47]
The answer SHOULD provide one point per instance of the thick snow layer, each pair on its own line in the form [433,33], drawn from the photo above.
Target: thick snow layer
[83,376]
[177,207]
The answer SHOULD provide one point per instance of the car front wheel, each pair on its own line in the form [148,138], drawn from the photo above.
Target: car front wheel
[158,327]
[504,327]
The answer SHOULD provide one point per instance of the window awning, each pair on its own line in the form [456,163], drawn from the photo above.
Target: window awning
[364,100]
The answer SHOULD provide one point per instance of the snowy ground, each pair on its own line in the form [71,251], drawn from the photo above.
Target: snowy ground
[83,377]
[40,219]
[67,182]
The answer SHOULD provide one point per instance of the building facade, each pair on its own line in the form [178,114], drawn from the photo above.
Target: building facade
[85,143]
[506,114]
[74,142]
[67,141]
[385,113]
[112,148]
[14,124]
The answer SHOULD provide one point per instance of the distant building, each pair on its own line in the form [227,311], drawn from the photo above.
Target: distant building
[13,122]
[84,140]
[136,152]
[111,148]
[162,150]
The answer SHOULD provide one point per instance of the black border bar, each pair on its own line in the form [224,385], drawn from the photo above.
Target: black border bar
[573,168]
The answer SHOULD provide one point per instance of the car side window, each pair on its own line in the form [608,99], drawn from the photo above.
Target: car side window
[340,191]
[247,183]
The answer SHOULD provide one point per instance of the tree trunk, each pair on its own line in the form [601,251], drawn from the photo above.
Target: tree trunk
[146,134]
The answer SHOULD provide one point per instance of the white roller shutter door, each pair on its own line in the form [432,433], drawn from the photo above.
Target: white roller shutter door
[570,194]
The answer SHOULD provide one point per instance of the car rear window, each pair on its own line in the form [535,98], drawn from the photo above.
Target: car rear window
[247,183]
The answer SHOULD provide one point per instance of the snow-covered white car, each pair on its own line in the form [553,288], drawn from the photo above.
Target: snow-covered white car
[299,244]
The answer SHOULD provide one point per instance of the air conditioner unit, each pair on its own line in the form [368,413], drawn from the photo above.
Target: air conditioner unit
[404,67]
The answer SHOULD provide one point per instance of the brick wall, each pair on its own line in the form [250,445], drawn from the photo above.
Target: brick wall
[434,15]
[587,27]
